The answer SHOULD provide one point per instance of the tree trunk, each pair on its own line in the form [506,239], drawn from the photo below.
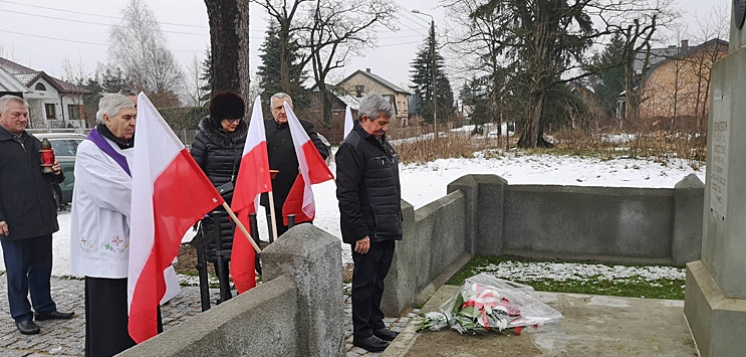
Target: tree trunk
[326,107]
[532,121]
[229,39]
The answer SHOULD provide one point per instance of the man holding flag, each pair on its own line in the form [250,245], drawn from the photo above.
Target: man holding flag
[369,197]
[100,227]
[283,156]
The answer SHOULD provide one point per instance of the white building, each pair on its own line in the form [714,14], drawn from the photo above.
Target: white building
[54,103]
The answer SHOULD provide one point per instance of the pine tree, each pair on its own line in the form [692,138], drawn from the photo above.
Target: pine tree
[206,77]
[421,75]
[610,79]
[270,67]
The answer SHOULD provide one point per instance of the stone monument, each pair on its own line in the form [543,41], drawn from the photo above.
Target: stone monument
[715,305]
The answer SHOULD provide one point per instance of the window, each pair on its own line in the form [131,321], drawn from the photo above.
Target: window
[73,111]
[63,147]
[51,111]
[40,86]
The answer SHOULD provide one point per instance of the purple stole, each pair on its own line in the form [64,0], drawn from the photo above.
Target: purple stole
[95,137]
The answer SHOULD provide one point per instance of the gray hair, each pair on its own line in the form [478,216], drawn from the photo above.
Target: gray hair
[5,102]
[111,104]
[280,95]
[127,92]
[373,105]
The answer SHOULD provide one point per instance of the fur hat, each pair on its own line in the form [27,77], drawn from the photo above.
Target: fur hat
[227,105]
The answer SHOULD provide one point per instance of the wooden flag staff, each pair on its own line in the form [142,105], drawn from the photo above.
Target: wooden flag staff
[241,227]
[272,214]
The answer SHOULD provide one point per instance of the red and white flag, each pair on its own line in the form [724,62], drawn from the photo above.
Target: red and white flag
[313,170]
[169,194]
[253,180]
[349,123]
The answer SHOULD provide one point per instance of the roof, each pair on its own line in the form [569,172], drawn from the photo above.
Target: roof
[28,76]
[351,101]
[378,79]
[9,83]
[659,56]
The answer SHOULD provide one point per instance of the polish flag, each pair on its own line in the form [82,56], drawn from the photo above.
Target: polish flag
[313,170]
[169,194]
[253,180]
[349,123]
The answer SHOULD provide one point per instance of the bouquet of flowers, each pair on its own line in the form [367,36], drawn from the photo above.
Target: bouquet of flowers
[485,303]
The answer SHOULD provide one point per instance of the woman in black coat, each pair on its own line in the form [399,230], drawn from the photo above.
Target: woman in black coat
[218,148]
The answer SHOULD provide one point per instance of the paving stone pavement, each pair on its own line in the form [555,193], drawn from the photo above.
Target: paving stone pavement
[67,338]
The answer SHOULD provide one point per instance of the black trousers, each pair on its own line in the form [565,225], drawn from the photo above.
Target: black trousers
[28,265]
[367,287]
[106,317]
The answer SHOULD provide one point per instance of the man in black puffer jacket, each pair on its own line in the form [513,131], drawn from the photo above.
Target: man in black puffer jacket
[218,148]
[369,195]
[282,155]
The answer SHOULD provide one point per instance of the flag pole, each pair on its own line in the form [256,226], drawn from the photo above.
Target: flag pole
[241,227]
[272,214]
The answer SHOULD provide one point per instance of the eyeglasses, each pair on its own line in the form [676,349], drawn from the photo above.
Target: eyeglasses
[233,121]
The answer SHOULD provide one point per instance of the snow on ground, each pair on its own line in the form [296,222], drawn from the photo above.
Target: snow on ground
[423,183]
[580,272]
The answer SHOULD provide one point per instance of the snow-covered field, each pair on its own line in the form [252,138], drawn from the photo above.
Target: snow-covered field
[424,183]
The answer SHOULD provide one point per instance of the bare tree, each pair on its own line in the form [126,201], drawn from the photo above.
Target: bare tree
[139,47]
[292,19]
[546,42]
[340,29]
[195,85]
[715,30]
[229,39]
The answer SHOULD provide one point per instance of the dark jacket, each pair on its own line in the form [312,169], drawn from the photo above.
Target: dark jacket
[219,153]
[26,201]
[368,188]
[282,157]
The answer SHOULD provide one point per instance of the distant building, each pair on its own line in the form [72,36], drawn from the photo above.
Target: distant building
[54,103]
[677,83]
[360,83]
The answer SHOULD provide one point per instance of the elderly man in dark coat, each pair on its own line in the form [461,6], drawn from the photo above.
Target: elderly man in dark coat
[282,156]
[28,217]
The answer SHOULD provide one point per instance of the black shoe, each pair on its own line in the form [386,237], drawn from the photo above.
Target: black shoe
[371,344]
[28,327]
[385,334]
[54,315]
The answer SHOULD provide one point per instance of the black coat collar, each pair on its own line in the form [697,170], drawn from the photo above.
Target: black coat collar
[5,135]
[220,137]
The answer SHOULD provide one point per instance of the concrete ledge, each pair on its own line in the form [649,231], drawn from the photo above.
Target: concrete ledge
[718,324]
[443,278]
[237,327]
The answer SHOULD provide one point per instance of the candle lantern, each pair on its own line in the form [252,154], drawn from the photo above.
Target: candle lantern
[47,156]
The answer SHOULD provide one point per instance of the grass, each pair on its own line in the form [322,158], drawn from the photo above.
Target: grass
[635,286]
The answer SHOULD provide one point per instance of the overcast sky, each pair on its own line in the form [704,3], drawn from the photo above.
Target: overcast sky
[30,34]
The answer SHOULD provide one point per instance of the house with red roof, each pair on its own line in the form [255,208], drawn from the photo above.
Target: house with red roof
[53,103]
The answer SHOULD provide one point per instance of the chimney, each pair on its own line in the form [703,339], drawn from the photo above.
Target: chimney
[367,70]
[684,43]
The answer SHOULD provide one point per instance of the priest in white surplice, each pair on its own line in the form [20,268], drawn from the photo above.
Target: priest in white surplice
[100,232]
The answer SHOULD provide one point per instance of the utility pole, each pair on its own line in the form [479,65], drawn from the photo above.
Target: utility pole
[435,71]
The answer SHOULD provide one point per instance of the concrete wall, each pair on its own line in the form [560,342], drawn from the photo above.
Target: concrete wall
[484,215]
[297,311]
[433,241]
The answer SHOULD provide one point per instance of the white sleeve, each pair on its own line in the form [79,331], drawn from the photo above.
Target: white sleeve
[107,185]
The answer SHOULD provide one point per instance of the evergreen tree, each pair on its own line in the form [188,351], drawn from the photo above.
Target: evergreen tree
[270,67]
[610,79]
[206,78]
[422,77]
